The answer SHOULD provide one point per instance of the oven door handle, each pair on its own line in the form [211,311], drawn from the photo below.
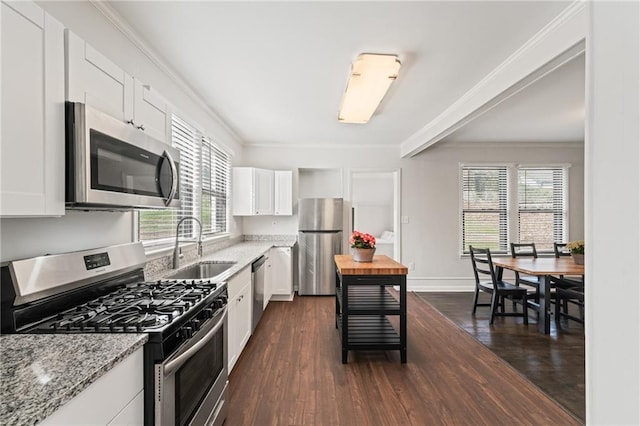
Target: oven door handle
[173,365]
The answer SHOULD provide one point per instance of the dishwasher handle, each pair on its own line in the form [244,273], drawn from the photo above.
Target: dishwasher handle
[258,263]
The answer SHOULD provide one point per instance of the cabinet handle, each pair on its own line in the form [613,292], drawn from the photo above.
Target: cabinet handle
[131,122]
[140,127]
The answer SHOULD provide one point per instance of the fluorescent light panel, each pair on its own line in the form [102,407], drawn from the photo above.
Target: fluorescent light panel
[371,76]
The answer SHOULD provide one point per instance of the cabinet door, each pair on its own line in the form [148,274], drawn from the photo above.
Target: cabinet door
[95,80]
[32,163]
[268,280]
[263,191]
[283,193]
[282,274]
[232,335]
[242,181]
[245,312]
[151,112]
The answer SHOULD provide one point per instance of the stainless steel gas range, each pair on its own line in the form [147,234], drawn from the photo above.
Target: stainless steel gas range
[103,291]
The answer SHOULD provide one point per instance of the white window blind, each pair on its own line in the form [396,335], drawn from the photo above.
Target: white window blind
[216,176]
[484,208]
[542,206]
[204,183]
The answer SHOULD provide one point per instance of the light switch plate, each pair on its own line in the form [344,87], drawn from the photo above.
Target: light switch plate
[404,219]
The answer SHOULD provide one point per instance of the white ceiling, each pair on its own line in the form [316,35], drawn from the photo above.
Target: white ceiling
[275,72]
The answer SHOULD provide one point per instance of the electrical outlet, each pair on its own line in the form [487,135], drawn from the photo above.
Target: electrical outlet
[412,266]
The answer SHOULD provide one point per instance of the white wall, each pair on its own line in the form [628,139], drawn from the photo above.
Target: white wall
[28,237]
[612,231]
[430,197]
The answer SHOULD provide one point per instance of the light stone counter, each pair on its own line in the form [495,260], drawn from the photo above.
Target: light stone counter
[41,372]
[243,254]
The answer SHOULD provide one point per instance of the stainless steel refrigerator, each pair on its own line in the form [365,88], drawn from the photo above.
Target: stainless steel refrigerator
[319,238]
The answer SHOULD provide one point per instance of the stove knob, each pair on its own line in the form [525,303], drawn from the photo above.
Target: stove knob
[195,324]
[187,332]
[207,313]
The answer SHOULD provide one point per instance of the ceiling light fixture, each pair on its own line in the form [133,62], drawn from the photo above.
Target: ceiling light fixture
[370,78]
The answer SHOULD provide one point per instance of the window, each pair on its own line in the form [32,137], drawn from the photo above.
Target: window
[484,208]
[542,206]
[502,204]
[204,179]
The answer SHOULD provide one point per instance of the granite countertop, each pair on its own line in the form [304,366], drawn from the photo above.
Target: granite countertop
[41,372]
[243,254]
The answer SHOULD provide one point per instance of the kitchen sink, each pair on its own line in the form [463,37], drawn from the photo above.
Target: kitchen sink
[202,270]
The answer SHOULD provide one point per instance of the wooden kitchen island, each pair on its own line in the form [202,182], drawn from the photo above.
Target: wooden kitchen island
[363,304]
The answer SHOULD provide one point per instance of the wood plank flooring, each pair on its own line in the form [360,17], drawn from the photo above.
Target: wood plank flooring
[291,373]
[555,363]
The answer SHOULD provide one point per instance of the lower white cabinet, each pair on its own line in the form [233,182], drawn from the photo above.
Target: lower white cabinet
[239,309]
[268,283]
[116,398]
[281,273]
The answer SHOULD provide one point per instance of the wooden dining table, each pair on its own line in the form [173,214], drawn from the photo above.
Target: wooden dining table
[544,268]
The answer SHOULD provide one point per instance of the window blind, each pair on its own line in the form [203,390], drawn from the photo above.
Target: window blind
[542,206]
[159,224]
[216,177]
[484,208]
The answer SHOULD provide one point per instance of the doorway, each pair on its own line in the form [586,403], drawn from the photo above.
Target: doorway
[375,208]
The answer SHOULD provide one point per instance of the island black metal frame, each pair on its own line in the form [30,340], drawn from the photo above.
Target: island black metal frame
[362,306]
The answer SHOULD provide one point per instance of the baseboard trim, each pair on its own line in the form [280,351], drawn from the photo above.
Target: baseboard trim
[433,284]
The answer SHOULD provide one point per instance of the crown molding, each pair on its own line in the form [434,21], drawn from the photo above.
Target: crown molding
[561,40]
[121,25]
[514,144]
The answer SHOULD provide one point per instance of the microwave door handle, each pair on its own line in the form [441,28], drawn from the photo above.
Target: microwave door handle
[174,178]
[176,363]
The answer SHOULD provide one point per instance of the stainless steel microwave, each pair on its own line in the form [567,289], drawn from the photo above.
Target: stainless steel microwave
[111,165]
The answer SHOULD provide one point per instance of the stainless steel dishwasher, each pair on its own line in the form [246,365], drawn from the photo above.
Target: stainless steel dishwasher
[257,281]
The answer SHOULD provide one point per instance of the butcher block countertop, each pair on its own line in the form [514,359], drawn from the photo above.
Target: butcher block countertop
[381,265]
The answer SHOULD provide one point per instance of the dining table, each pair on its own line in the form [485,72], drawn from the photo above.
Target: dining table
[545,268]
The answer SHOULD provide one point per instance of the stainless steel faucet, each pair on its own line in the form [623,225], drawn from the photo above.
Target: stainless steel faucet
[176,250]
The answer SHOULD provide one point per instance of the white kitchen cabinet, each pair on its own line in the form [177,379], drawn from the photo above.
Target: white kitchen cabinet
[95,80]
[123,404]
[239,310]
[252,192]
[32,138]
[283,193]
[268,282]
[281,273]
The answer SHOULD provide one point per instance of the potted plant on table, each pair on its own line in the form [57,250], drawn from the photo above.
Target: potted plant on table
[577,251]
[363,246]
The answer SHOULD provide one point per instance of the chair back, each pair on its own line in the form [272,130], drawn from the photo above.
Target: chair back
[560,249]
[523,250]
[482,264]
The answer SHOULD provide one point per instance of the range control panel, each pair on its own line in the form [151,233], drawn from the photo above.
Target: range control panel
[97,260]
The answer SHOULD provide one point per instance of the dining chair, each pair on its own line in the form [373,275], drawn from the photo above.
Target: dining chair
[499,289]
[560,250]
[566,296]
[526,250]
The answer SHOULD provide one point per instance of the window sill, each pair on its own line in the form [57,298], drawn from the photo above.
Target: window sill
[156,251]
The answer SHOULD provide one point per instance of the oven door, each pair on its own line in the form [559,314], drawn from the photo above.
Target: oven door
[113,164]
[191,385]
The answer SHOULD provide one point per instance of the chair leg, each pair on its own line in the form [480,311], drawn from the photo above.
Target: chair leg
[494,303]
[502,304]
[525,311]
[556,312]
[475,302]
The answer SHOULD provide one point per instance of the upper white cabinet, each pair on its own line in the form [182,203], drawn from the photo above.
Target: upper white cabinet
[252,191]
[32,144]
[261,192]
[283,193]
[94,80]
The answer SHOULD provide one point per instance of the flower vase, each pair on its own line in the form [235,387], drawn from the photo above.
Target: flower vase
[363,254]
[578,259]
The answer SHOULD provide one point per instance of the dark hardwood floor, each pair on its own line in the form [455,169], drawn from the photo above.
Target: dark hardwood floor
[555,363]
[291,373]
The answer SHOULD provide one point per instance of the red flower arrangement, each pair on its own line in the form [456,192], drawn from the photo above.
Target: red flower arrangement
[361,240]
